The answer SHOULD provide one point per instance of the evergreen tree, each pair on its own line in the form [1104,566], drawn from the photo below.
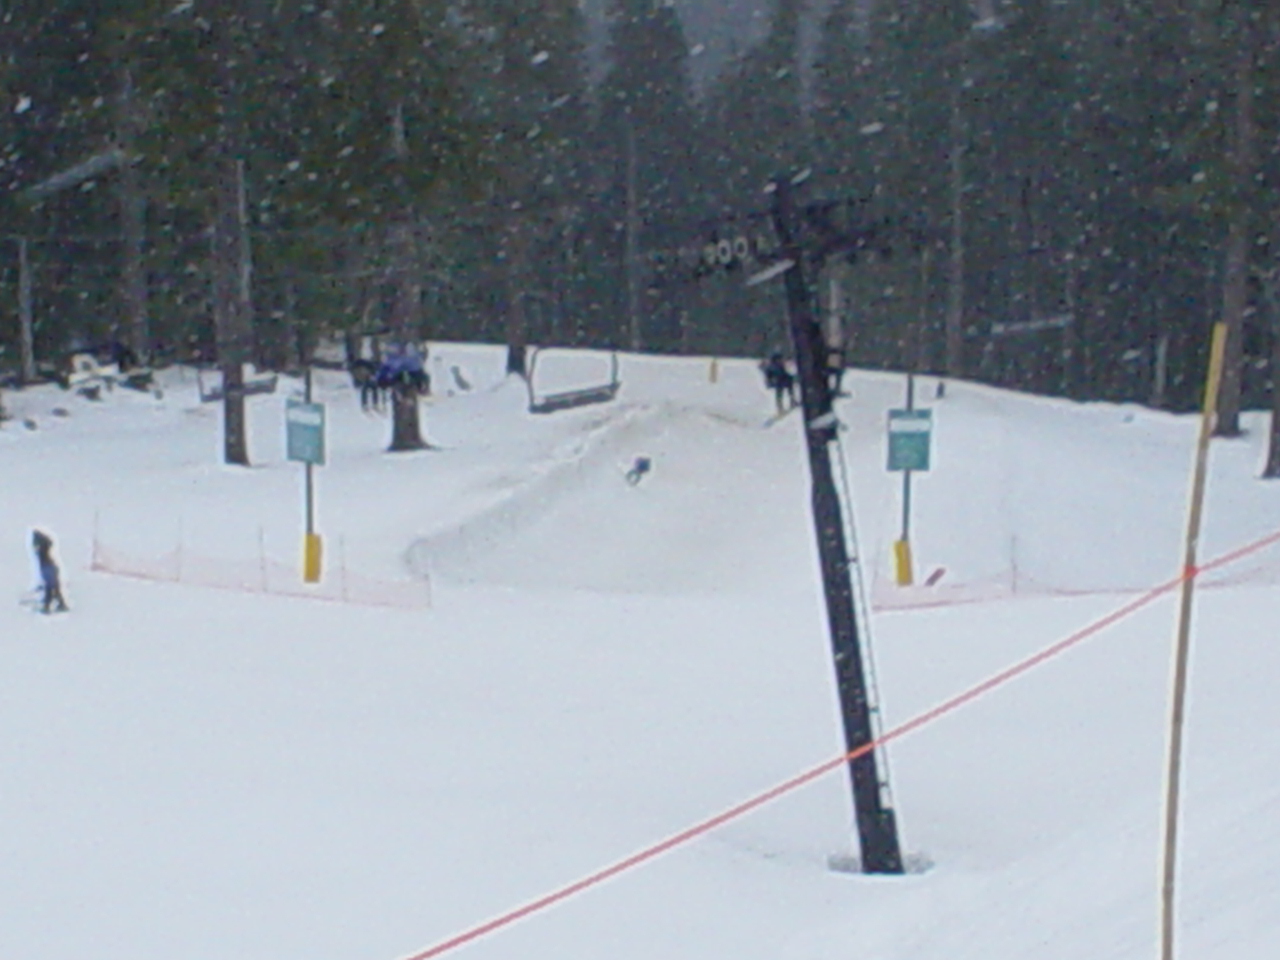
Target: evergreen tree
[647,156]
[57,119]
[529,103]
[757,116]
[376,138]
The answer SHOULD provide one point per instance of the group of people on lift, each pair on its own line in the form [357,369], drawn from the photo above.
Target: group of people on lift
[402,365]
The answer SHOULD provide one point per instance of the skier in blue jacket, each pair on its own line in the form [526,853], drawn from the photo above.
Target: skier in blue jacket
[42,543]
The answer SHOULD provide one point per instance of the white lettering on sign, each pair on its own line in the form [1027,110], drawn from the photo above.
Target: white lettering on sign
[909,426]
[305,416]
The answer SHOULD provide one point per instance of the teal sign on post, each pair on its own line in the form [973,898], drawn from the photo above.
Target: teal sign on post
[909,433]
[304,424]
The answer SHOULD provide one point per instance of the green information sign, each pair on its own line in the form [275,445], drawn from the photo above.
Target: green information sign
[304,423]
[909,433]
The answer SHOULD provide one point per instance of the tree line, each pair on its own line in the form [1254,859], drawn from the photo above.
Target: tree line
[230,181]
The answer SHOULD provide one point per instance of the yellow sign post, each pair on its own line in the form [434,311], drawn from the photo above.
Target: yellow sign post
[909,435]
[304,425]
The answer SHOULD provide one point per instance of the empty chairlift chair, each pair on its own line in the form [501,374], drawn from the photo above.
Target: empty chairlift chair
[569,399]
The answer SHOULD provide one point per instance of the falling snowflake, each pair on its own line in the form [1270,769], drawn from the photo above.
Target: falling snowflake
[540,58]
[24,104]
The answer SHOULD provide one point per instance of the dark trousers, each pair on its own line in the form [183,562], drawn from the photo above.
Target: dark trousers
[53,595]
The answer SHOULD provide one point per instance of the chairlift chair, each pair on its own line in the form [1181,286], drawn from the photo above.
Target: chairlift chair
[212,392]
[569,399]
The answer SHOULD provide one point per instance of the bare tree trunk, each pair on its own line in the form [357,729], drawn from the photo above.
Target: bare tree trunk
[1160,371]
[228,255]
[228,322]
[1071,332]
[406,425]
[1236,278]
[1272,471]
[918,362]
[517,319]
[26,313]
[1271,292]
[954,337]
[632,255]
[133,221]
[246,255]
[302,346]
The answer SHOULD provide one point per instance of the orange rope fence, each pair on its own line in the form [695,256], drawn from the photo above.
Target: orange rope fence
[947,706]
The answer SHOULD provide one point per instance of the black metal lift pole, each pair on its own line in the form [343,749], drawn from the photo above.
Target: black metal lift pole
[877,826]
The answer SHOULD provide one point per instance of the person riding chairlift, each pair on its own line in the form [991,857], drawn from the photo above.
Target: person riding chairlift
[780,380]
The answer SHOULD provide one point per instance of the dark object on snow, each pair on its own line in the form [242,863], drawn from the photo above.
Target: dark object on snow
[30,424]
[638,469]
[42,543]
[780,380]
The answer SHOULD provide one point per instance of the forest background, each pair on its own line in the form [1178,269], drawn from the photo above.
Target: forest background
[1094,182]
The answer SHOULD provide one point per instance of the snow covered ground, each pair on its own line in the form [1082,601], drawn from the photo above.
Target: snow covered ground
[233,774]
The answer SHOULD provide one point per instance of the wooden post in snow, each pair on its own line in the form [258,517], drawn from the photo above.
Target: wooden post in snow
[1183,643]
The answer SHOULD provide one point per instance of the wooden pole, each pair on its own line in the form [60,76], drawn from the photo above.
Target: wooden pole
[1183,643]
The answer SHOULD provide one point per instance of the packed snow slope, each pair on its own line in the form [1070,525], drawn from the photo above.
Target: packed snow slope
[232,774]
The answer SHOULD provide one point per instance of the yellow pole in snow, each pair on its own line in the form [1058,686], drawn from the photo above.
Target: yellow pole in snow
[1183,643]
[312,553]
[902,573]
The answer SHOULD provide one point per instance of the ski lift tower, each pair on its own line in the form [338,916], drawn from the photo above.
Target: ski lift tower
[874,815]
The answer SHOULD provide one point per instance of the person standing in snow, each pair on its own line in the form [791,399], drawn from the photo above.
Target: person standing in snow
[42,543]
